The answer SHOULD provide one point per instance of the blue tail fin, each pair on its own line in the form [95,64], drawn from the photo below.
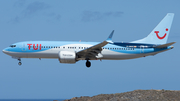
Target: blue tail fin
[160,33]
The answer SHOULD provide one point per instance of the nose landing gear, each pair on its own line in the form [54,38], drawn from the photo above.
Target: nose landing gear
[19,63]
[88,63]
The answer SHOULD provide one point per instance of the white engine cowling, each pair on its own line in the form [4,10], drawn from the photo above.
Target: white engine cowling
[67,57]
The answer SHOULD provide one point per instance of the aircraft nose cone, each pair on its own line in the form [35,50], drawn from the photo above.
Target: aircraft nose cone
[4,51]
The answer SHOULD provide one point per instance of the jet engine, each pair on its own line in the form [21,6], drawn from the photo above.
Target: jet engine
[67,57]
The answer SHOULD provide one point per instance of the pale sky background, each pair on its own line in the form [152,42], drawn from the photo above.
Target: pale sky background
[86,20]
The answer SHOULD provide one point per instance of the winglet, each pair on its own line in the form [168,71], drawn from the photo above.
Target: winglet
[109,39]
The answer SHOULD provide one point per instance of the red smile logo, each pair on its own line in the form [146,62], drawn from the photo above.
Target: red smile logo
[159,36]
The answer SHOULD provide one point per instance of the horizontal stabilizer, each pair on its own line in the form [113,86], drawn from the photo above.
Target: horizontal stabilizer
[165,45]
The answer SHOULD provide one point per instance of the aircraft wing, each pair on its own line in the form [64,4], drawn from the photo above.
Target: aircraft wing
[94,51]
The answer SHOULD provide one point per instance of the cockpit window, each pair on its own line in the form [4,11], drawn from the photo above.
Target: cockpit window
[12,46]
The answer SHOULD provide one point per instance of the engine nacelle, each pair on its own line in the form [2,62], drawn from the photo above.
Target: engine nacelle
[67,57]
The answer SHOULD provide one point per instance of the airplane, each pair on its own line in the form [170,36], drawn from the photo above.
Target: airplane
[70,52]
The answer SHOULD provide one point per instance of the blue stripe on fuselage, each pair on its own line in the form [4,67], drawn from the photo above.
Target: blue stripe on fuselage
[136,45]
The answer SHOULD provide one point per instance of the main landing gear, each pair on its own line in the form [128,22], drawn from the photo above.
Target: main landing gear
[88,63]
[19,63]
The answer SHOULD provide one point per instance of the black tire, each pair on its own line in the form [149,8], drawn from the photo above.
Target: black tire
[19,63]
[88,64]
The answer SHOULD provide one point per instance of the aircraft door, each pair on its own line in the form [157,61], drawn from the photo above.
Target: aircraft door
[24,47]
[141,49]
[77,48]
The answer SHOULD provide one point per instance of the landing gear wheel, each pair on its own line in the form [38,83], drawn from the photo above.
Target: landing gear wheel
[88,64]
[19,63]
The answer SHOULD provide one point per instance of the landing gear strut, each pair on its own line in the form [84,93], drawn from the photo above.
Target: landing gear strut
[88,63]
[19,63]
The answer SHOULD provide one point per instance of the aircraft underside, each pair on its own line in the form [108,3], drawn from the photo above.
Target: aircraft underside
[106,56]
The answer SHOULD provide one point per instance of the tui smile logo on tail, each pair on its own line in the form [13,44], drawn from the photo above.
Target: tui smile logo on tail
[159,36]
